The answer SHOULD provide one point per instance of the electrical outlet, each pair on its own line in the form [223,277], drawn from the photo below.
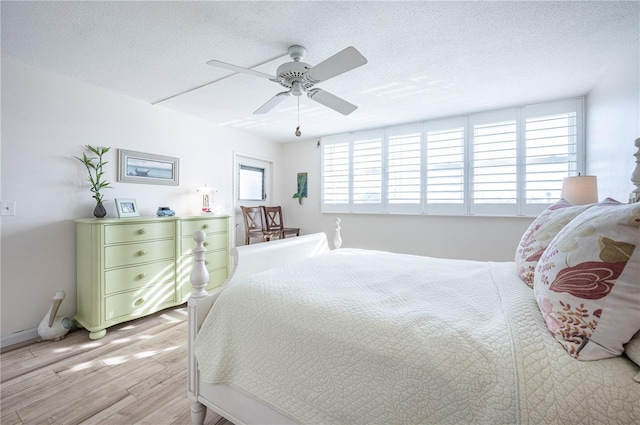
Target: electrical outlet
[7,207]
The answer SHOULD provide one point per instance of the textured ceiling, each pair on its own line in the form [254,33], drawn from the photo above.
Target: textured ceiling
[426,59]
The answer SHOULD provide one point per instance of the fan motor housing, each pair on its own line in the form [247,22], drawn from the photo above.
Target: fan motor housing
[291,72]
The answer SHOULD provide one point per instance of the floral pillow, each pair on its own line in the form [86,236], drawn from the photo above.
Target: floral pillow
[632,349]
[587,282]
[540,233]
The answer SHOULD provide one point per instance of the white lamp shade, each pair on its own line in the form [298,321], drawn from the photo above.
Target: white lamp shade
[580,190]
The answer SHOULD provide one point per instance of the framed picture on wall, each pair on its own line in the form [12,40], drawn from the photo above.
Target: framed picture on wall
[127,207]
[148,168]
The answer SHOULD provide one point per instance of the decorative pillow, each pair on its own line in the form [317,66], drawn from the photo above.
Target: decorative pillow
[540,232]
[632,349]
[587,282]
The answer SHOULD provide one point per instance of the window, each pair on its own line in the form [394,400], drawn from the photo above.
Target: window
[367,171]
[505,162]
[251,183]
[552,145]
[444,166]
[493,171]
[252,180]
[404,167]
[336,174]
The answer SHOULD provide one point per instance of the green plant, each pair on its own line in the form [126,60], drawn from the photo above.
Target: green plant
[94,167]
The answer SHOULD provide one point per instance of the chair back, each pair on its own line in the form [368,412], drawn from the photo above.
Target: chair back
[273,218]
[253,218]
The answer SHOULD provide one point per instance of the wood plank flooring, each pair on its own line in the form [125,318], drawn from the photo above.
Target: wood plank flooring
[136,374]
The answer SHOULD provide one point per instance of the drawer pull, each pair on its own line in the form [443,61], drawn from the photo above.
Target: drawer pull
[205,226]
[139,302]
[142,231]
[205,243]
[142,275]
[207,262]
[142,252]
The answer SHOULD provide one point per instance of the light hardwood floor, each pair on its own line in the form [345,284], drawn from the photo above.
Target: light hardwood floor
[136,374]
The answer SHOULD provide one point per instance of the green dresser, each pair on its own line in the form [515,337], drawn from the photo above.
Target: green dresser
[132,267]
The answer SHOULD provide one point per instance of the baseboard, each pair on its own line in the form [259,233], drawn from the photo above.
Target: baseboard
[18,337]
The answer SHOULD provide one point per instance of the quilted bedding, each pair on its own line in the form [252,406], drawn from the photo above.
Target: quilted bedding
[368,337]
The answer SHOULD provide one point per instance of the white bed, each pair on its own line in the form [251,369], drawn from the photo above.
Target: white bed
[303,334]
[313,350]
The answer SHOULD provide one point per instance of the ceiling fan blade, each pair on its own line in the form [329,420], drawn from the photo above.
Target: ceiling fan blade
[272,103]
[331,101]
[341,62]
[237,68]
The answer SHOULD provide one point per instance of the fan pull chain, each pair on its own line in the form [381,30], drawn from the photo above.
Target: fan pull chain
[298,132]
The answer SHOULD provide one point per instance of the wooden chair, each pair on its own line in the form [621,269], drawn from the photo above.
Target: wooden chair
[274,223]
[254,225]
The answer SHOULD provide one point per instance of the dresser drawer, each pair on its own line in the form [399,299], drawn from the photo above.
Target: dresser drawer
[127,278]
[138,232]
[139,302]
[136,253]
[211,242]
[212,225]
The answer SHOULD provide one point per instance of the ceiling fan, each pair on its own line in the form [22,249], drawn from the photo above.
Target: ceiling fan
[299,77]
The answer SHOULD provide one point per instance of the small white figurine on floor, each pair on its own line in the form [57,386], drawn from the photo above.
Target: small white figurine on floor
[54,328]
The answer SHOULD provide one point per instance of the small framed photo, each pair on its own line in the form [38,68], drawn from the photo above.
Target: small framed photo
[127,208]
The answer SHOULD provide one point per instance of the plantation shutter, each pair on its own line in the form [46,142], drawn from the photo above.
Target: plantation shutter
[551,146]
[506,162]
[367,171]
[335,171]
[445,166]
[404,176]
[494,186]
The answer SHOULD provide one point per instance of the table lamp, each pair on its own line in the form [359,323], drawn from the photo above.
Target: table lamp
[580,190]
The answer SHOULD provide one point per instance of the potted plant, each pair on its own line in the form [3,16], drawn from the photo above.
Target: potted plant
[94,165]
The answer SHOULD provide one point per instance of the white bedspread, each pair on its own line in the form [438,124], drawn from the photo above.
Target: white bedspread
[366,337]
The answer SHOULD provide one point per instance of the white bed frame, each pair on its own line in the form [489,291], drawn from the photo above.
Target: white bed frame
[225,400]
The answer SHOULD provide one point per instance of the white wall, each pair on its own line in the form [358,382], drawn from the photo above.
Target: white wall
[476,238]
[613,124]
[46,120]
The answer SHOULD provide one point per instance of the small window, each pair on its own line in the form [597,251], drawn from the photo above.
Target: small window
[251,183]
